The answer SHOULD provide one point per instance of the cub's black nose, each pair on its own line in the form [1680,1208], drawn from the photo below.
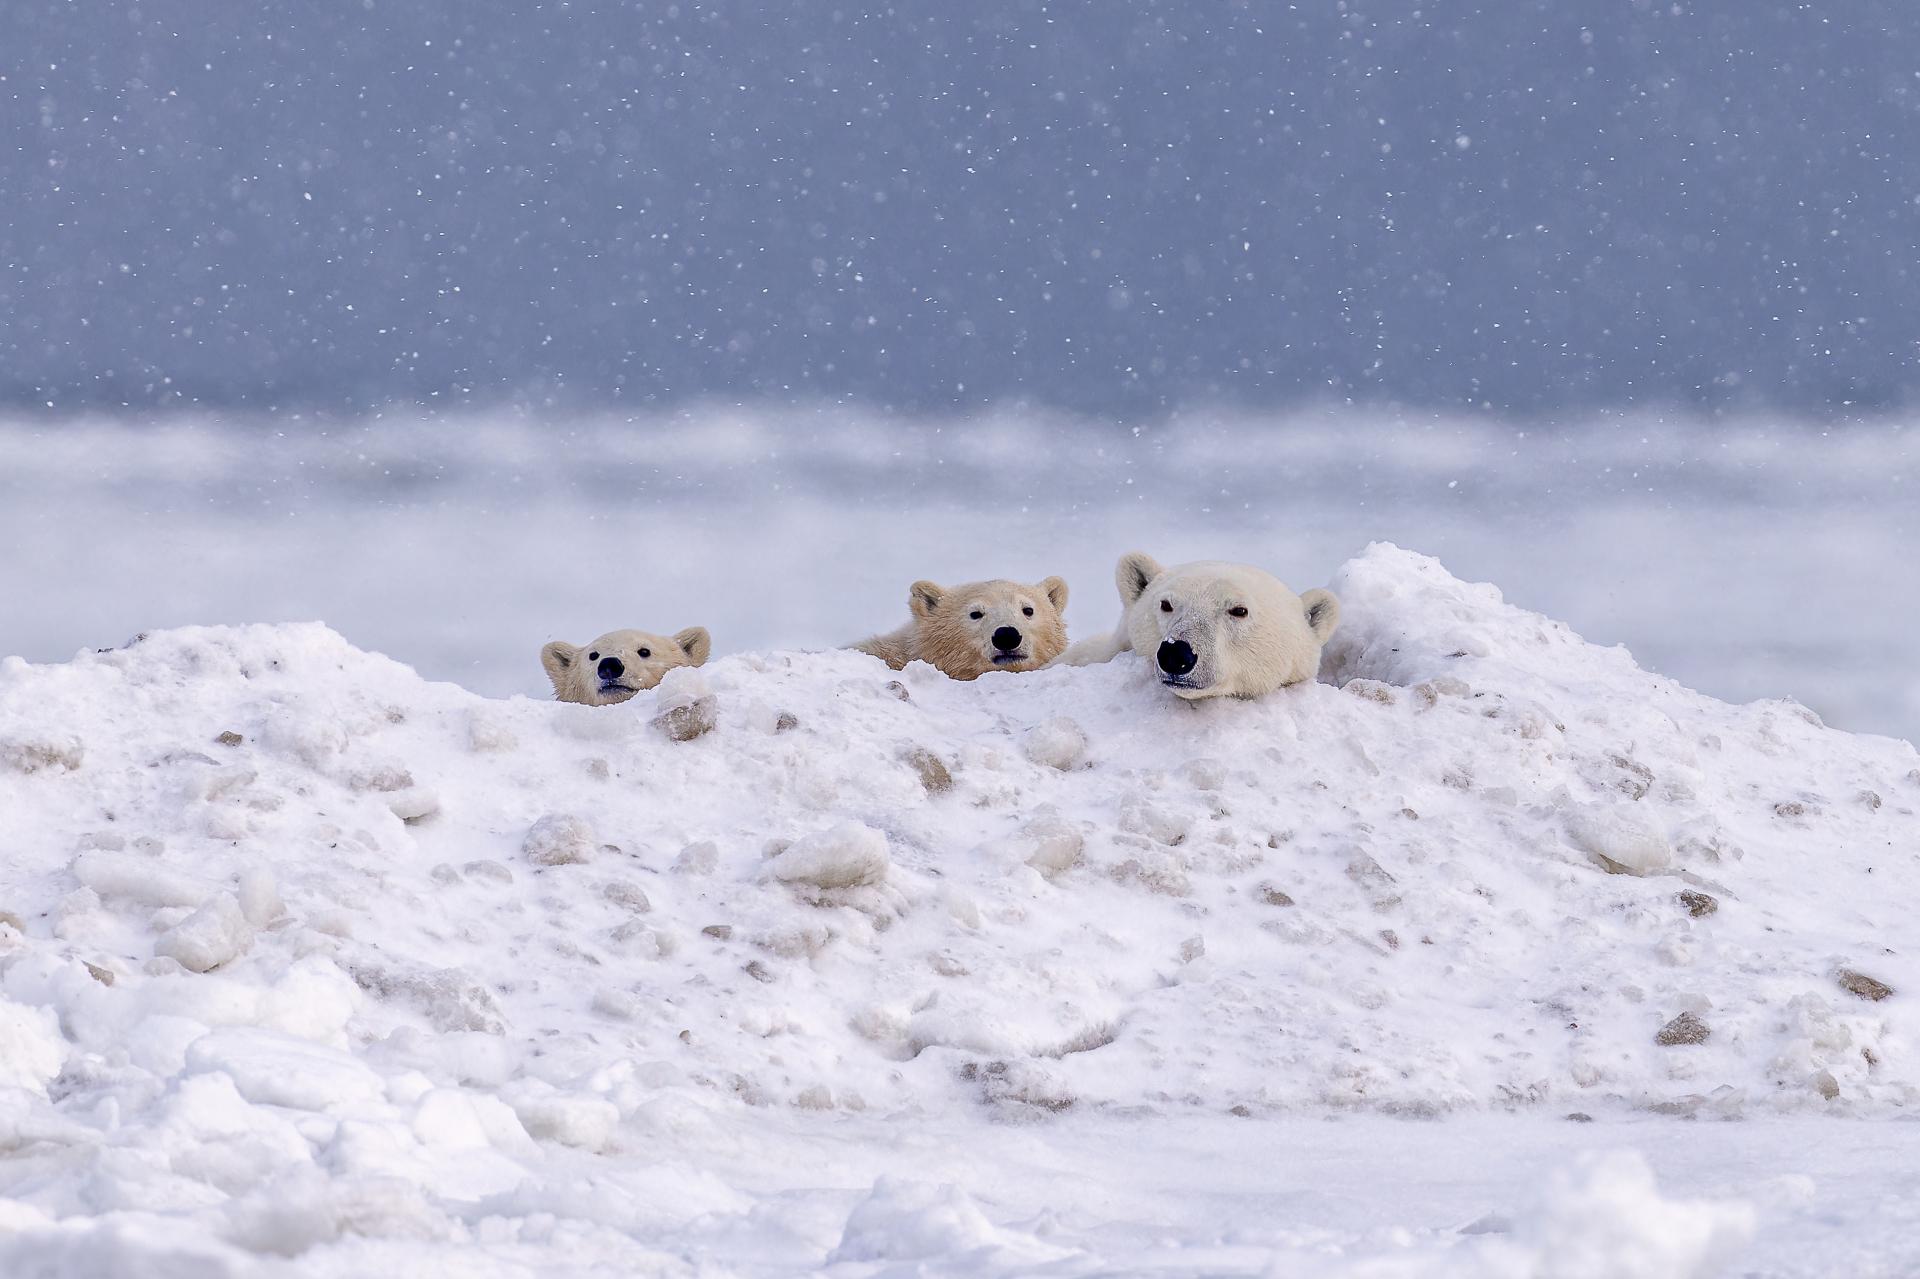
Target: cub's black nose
[1176,657]
[612,668]
[1006,639]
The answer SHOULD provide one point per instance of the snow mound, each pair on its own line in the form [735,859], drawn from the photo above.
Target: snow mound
[1602,1218]
[292,915]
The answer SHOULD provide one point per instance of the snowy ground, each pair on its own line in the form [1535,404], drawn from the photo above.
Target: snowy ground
[1749,560]
[315,967]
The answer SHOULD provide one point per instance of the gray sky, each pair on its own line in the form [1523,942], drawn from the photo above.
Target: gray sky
[1528,205]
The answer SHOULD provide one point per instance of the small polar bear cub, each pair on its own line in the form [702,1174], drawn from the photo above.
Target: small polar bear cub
[620,663]
[1214,629]
[966,631]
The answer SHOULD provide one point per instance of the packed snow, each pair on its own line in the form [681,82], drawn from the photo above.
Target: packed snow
[311,966]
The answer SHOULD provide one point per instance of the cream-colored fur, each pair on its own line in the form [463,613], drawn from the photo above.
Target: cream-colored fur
[620,663]
[1244,632]
[953,628]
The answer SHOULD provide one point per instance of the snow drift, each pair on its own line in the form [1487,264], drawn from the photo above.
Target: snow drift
[297,946]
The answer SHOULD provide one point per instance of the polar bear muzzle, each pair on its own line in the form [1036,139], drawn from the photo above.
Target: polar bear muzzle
[1177,658]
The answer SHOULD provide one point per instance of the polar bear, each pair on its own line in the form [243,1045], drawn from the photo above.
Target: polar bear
[1214,629]
[620,663]
[966,631]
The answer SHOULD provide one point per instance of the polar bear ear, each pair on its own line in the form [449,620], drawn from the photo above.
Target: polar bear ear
[1131,575]
[695,643]
[1056,592]
[923,597]
[558,657]
[1323,613]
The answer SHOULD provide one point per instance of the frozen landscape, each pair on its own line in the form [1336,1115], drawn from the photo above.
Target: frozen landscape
[1490,953]
[1562,928]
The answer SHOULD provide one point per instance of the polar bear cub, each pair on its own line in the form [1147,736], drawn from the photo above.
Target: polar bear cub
[1214,629]
[966,631]
[620,663]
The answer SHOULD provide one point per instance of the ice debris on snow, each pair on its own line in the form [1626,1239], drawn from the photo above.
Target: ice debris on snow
[214,934]
[1606,1218]
[903,1220]
[1058,743]
[847,855]
[559,839]
[31,1046]
[1620,838]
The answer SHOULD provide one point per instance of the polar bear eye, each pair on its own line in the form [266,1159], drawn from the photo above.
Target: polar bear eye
[593,657]
[1028,610]
[976,615]
[1238,610]
[647,652]
[1166,606]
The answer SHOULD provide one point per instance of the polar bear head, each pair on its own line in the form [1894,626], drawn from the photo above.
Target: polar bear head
[969,630]
[620,663]
[1213,629]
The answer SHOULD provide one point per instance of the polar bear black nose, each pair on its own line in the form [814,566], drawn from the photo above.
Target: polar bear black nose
[612,668]
[1176,657]
[1006,639]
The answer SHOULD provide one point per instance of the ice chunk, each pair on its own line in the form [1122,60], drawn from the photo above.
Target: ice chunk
[1057,743]
[456,1119]
[141,879]
[697,859]
[689,720]
[490,732]
[259,896]
[572,1119]
[31,1046]
[1620,838]
[1609,1218]
[1050,845]
[278,1070]
[904,1220]
[413,805]
[558,839]
[845,856]
[215,934]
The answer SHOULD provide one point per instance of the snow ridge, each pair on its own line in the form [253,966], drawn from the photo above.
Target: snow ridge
[286,924]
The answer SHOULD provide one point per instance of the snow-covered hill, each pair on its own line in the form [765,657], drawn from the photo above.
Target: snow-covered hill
[305,957]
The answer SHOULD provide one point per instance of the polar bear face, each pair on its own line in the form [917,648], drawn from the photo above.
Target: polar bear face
[620,663]
[969,630]
[1213,629]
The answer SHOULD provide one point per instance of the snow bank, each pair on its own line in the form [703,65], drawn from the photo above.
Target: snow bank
[278,913]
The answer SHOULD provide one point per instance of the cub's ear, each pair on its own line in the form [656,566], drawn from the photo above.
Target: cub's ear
[1131,575]
[1323,613]
[924,597]
[695,643]
[558,657]
[1056,591]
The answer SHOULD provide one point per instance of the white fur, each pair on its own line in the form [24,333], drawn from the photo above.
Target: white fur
[1277,642]
[645,659]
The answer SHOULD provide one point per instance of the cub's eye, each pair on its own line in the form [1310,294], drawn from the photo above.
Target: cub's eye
[647,652]
[593,657]
[1028,610]
[1238,610]
[1166,606]
[976,615]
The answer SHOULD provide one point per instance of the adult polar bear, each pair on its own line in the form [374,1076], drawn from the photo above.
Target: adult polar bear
[1214,629]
